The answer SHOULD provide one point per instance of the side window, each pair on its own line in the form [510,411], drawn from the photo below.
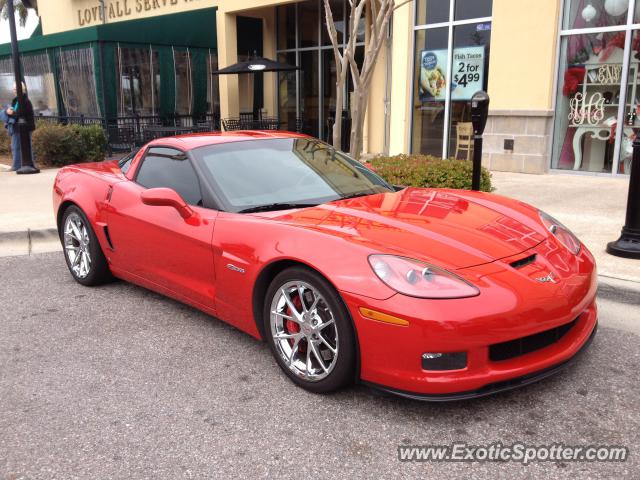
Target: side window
[169,168]
[125,162]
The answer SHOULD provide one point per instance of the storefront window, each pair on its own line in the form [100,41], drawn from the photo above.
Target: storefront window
[184,100]
[6,81]
[213,85]
[447,74]
[587,104]
[429,95]
[286,27]
[597,99]
[38,77]
[307,98]
[594,13]
[310,92]
[466,9]
[329,93]
[309,24]
[138,81]
[632,108]
[337,10]
[470,64]
[432,11]
[287,94]
[77,82]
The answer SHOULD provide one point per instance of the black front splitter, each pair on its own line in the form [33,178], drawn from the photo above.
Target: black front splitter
[491,388]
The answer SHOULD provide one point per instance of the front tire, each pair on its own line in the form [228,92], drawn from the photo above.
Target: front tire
[82,252]
[309,330]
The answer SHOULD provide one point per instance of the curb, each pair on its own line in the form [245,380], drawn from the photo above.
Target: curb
[618,290]
[29,242]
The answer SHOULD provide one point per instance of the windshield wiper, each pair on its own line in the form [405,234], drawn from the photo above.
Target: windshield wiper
[355,195]
[276,206]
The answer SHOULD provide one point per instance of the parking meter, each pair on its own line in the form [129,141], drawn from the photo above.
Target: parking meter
[479,114]
[479,111]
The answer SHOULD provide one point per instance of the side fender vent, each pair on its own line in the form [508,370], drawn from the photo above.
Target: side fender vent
[108,237]
[523,261]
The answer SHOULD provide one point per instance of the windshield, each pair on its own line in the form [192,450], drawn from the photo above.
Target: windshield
[284,173]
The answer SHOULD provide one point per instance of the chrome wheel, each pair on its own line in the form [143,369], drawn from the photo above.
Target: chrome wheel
[304,330]
[76,245]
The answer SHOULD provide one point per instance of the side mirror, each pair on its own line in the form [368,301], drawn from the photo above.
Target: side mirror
[166,197]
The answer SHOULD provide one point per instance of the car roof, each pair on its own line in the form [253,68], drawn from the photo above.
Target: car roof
[195,140]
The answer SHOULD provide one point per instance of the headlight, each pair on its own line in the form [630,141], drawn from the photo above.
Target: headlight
[562,233]
[419,279]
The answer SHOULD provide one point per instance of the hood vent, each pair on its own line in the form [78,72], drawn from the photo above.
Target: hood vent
[523,261]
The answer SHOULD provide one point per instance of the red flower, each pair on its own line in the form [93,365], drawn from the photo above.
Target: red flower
[572,78]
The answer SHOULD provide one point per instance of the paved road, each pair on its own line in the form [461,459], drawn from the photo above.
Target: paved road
[118,382]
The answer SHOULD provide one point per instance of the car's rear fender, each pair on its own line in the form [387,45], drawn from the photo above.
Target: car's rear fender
[87,190]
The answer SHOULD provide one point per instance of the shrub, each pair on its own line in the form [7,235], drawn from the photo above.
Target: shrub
[429,171]
[59,145]
[5,141]
[93,142]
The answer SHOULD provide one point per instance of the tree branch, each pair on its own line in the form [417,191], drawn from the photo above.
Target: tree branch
[401,4]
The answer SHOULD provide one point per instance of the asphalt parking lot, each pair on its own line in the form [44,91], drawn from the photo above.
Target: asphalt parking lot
[118,382]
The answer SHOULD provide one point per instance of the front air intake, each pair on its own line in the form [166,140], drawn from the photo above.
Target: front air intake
[521,346]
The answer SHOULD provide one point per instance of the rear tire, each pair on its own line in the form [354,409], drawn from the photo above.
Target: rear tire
[309,330]
[82,251]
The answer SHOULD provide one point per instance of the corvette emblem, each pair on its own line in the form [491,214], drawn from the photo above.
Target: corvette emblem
[547,279]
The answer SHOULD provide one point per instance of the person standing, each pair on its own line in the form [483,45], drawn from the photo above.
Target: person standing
[20,108]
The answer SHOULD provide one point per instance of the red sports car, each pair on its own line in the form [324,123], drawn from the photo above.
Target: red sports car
[428,293]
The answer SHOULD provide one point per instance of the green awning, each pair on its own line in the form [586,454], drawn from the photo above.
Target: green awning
[195,28]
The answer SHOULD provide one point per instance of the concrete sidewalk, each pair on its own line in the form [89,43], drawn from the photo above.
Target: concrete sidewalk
[593,207]
[27,224]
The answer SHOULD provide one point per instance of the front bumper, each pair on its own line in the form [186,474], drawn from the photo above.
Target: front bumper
[512,305]
[491,388]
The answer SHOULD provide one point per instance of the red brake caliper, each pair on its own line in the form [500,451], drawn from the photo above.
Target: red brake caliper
[293,327]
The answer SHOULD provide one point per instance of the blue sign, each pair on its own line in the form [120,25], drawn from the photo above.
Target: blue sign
[429,60]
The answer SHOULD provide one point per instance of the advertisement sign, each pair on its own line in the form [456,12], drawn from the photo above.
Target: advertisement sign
[467,72]
[467,75]
[433,75]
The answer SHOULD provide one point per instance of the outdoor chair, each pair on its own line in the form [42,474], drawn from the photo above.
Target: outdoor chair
[464,140]
[204,127]
[230,124]
[120,138]
[269,123]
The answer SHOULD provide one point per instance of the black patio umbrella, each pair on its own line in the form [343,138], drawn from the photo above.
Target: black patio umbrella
[256,65]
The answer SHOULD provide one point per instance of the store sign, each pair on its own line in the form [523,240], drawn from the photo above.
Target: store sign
[120,9]
[467,73]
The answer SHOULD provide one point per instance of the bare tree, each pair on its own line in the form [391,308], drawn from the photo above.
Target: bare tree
[21,8]
[376,15]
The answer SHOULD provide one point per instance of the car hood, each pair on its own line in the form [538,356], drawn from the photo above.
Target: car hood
[450,228]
